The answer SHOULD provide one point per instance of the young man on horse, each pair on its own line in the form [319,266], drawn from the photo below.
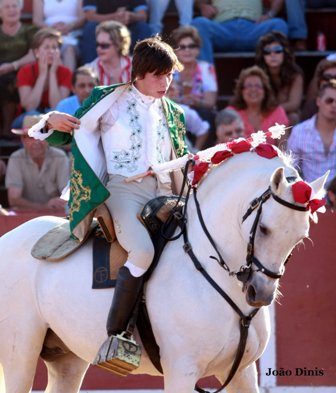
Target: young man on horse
[123,130]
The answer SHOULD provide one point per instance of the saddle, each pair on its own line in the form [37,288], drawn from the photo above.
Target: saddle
[57,243]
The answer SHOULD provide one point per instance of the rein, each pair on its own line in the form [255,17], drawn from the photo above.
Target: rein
[245,271]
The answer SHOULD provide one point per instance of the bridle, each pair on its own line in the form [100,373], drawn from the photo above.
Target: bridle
[245,271]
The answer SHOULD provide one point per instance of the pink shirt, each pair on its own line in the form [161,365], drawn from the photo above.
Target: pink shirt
[278,115]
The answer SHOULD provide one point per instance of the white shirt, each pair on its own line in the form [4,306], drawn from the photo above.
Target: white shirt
[135,134]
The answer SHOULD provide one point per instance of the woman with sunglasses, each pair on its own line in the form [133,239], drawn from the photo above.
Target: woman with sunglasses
[113,64]
[197,83]
[274,56]
[255,102]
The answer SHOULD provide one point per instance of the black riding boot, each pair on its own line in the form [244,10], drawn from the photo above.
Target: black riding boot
[125,296]
[120,354]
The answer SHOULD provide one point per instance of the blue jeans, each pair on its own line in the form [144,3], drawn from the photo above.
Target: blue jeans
[157,9]
[233,35]
[139,31]
[296,20]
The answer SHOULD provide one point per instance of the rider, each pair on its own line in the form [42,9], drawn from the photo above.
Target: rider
[123,130]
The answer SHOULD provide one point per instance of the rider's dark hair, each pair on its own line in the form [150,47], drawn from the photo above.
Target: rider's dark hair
[155,56]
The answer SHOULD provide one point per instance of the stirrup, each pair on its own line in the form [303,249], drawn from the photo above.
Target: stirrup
[119,355]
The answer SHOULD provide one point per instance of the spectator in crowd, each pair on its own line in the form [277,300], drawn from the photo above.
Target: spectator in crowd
[235,25]
[15,51]
[113,64]
[157,9]
[229,125]
[331,194]
[45,82]
[313,142]
[275,57]
[197,82]
[67,17]
[325,71]
[197,128]
[2,169]
[84,79]
[254,100]
[36,174]
[132,13]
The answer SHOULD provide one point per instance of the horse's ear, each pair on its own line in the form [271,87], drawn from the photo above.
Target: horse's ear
[278,179]
[318,185]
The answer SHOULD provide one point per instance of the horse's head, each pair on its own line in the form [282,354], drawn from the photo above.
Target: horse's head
[281,221]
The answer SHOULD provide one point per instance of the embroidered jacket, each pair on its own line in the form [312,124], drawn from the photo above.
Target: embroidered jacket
[88,174]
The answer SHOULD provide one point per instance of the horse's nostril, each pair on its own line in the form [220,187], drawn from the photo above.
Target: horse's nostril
[251,293]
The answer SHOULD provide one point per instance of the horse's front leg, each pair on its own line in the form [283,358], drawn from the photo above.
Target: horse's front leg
[180,376]
[245,381]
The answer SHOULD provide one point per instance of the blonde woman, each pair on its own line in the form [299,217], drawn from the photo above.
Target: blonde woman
[113,64]
[43,83]
[255,102]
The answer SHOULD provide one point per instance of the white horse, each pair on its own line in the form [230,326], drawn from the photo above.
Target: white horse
[196,329]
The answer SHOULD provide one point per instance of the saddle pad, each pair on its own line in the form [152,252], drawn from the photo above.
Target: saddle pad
[57,243]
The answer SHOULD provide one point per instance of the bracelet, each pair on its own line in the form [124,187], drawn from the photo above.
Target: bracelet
[15,65]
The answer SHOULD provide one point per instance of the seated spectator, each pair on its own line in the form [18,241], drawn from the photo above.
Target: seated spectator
[275,57]
[235,25]
[331,194]
[37,173]
[157,9]
[2,169]
[313,142]
[197,128]
[67,17]
[197,82]
[325,71]
[113,64]
[45,82]
[132,13]
[15,51]
[84,79]
[229,125]
[254,100]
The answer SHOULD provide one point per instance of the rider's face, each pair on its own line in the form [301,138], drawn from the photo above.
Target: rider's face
[154,85]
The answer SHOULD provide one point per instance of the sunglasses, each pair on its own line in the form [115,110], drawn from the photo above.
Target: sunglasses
[273,49]
[103,45]
[249,86]
[330,100]
[190,46]
[328,77]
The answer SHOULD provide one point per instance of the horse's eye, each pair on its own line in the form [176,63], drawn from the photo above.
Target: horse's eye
[264,230]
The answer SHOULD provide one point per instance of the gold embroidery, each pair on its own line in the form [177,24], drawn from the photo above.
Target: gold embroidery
[79,192]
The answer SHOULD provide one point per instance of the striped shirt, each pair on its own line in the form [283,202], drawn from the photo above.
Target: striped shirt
[310,154]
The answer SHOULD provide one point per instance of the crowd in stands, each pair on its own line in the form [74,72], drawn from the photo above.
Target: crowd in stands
[68,48]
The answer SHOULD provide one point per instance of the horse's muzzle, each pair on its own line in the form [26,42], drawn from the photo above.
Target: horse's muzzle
[260,292]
